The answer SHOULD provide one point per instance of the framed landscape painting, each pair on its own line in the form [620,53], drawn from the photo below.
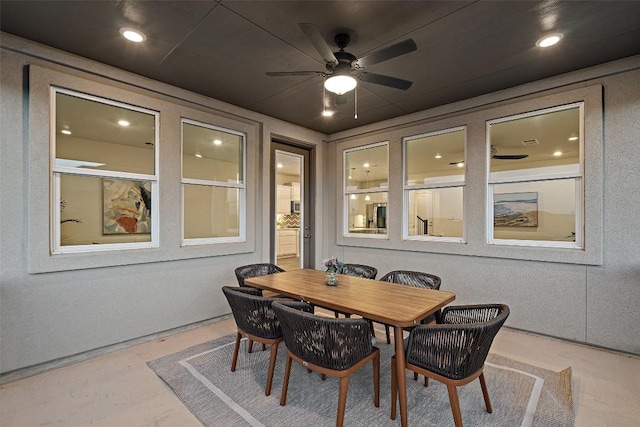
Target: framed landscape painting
[126,206]
[515,209]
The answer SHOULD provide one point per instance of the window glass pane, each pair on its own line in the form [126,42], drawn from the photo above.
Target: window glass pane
[211,154]
[537,210]
[368,213]
[91,135]
[100,211]
[549,140]
[211,211]
[367,168]
[433,157]
[435,212]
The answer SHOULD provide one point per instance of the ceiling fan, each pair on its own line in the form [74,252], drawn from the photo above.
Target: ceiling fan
[495,155]
[343,67]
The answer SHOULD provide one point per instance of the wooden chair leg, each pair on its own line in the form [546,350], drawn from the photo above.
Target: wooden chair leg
[249,345]
[485,393]
[426,381]
[394,388]
[336,313]
[342,400]
[386,329]
[455,405]
[264,346]
[234,360]
[285,384]
[272,365]
[415,376]
[323,376]
[373,330]
[376,381]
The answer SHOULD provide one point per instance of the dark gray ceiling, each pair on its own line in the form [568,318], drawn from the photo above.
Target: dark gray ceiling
[222,49]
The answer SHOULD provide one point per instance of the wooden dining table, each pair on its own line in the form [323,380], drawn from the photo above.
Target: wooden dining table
[397,305]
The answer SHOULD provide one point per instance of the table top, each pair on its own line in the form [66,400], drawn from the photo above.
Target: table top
[390,303]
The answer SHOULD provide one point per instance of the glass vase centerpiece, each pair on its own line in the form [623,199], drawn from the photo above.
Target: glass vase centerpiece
[334,267]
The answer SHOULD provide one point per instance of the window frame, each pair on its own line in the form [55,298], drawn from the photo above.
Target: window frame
[58,171]
[241,186]
[444,183]
[578,176]
[347,193]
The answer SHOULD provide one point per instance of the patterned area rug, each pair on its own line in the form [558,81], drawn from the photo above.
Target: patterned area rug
[521,394]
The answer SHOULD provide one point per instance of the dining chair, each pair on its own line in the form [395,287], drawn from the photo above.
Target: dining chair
[255,270]
[360,270]
[256,320]
[453,351]
[334,347]
[412,278]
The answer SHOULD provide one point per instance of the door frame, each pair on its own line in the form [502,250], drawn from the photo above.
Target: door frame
[307,187]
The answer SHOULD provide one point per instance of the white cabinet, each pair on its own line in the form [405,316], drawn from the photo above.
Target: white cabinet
[283,202]
[295,191]
[288,242]
[286,194]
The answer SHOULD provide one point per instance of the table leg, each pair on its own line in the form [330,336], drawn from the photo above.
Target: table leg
[400,371]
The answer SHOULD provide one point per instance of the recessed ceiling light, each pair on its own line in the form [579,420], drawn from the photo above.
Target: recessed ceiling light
[217,141]
[460,164]
[327,113]
[557,153]
[132,34]
[280,165]
[573,138]
[198,155]
[549,40]
[66,131]
[353,197]
[123,123]
[366,165]
[438,156]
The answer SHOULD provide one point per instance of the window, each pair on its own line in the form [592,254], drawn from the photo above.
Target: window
[366,182]
[535,178]
[104,177]
[213,189]
[434,177]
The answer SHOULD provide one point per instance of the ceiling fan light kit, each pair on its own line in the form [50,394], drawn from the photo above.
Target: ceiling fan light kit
[340,84]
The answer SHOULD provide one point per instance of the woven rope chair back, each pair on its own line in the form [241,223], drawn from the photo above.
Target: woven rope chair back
[330,343]
[255,270]
[413,278]
[253,313]
[360,270]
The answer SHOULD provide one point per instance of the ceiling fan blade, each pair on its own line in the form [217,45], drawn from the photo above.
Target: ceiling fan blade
[318,42]
[294,73]
[387,53]
[509,156]
[379,79]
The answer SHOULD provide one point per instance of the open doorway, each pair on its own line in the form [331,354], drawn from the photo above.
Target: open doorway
[291,213]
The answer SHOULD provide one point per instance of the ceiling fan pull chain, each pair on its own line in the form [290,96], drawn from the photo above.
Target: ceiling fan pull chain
[355,102]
